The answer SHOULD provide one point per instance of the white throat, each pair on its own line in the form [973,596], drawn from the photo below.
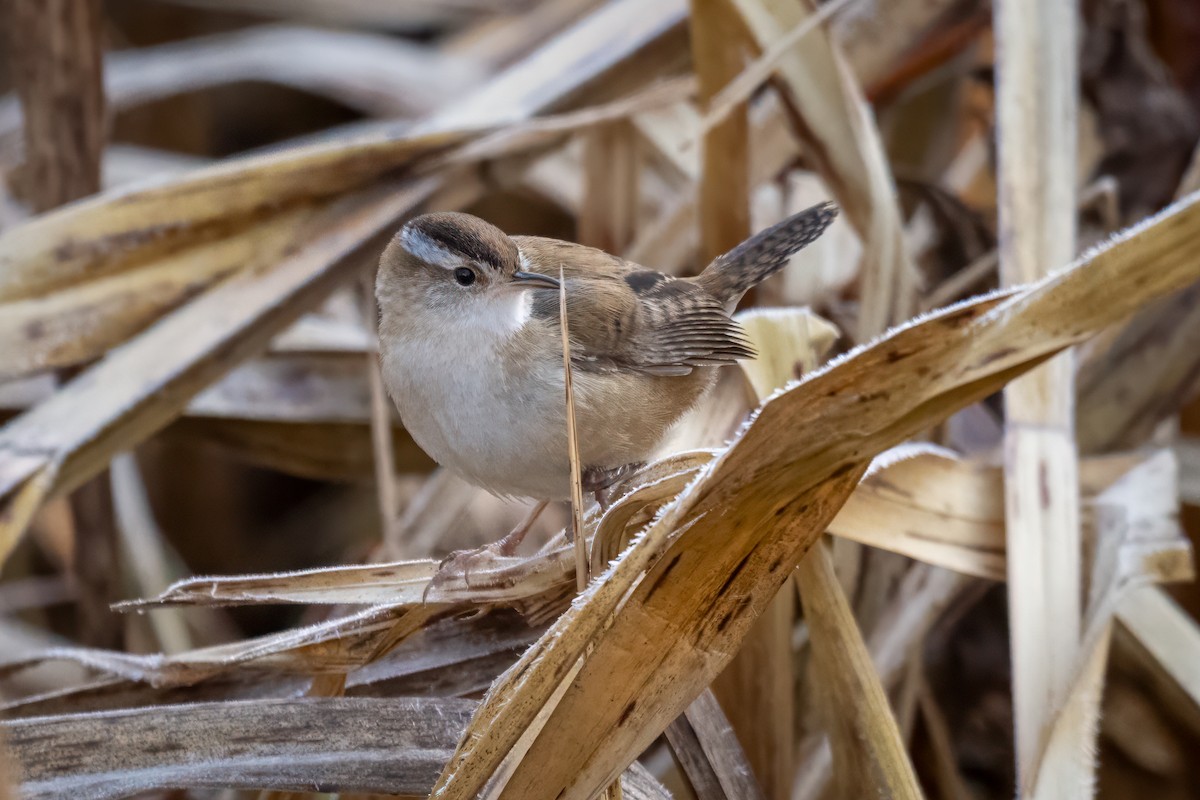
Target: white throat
[501,314]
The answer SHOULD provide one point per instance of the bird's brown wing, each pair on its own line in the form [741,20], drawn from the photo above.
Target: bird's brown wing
[623,317]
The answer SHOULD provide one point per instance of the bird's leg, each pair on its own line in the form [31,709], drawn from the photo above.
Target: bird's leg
[509,544]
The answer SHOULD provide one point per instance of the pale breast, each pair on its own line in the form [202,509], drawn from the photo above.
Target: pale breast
[487,402]
[489,413]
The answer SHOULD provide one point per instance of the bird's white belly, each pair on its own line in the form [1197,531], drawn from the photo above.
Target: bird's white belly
[501,429]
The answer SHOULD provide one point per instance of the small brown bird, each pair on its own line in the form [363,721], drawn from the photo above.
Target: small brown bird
[471,346]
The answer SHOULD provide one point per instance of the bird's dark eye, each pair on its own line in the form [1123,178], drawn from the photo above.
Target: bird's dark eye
[465,276]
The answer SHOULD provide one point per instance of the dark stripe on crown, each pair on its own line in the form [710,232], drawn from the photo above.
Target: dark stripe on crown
[468,236]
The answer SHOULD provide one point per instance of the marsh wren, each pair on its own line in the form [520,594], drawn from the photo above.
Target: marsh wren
[471,346]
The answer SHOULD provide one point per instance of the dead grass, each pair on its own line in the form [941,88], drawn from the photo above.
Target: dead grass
[190,350]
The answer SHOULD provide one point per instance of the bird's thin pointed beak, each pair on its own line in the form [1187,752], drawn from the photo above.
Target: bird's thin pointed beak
[535,279]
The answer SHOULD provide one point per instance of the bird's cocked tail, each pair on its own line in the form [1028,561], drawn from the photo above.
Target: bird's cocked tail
[729,276]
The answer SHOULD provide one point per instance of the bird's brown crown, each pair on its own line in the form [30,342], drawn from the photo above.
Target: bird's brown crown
[446,238]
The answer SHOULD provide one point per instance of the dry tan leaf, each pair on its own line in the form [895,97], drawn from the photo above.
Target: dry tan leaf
[385,14]
[76,324]
[869,755]
[114,231]
[140,387]
[335,646]
[452,656]
[791,342]
[929,505]
[802,454]
[909,489]
[380,75]
[508,580]
[758,685]
[1140,506]
[394,746]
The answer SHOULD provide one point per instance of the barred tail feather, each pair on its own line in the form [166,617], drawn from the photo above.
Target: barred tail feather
[729,276]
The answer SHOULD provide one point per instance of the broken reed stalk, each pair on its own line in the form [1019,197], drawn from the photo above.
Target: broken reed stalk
[1037,108]
[59,55]
[718,41]
[738,91]
[581,556]
[869,753]
[57,52]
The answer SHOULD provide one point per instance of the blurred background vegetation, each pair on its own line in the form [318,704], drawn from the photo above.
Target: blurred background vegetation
[243,124]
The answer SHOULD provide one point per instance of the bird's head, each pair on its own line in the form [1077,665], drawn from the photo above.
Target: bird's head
[453,262]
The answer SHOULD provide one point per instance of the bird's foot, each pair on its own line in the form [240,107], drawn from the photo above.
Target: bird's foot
[462,562]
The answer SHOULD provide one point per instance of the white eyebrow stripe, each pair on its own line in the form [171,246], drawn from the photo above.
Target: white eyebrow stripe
[427,249]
